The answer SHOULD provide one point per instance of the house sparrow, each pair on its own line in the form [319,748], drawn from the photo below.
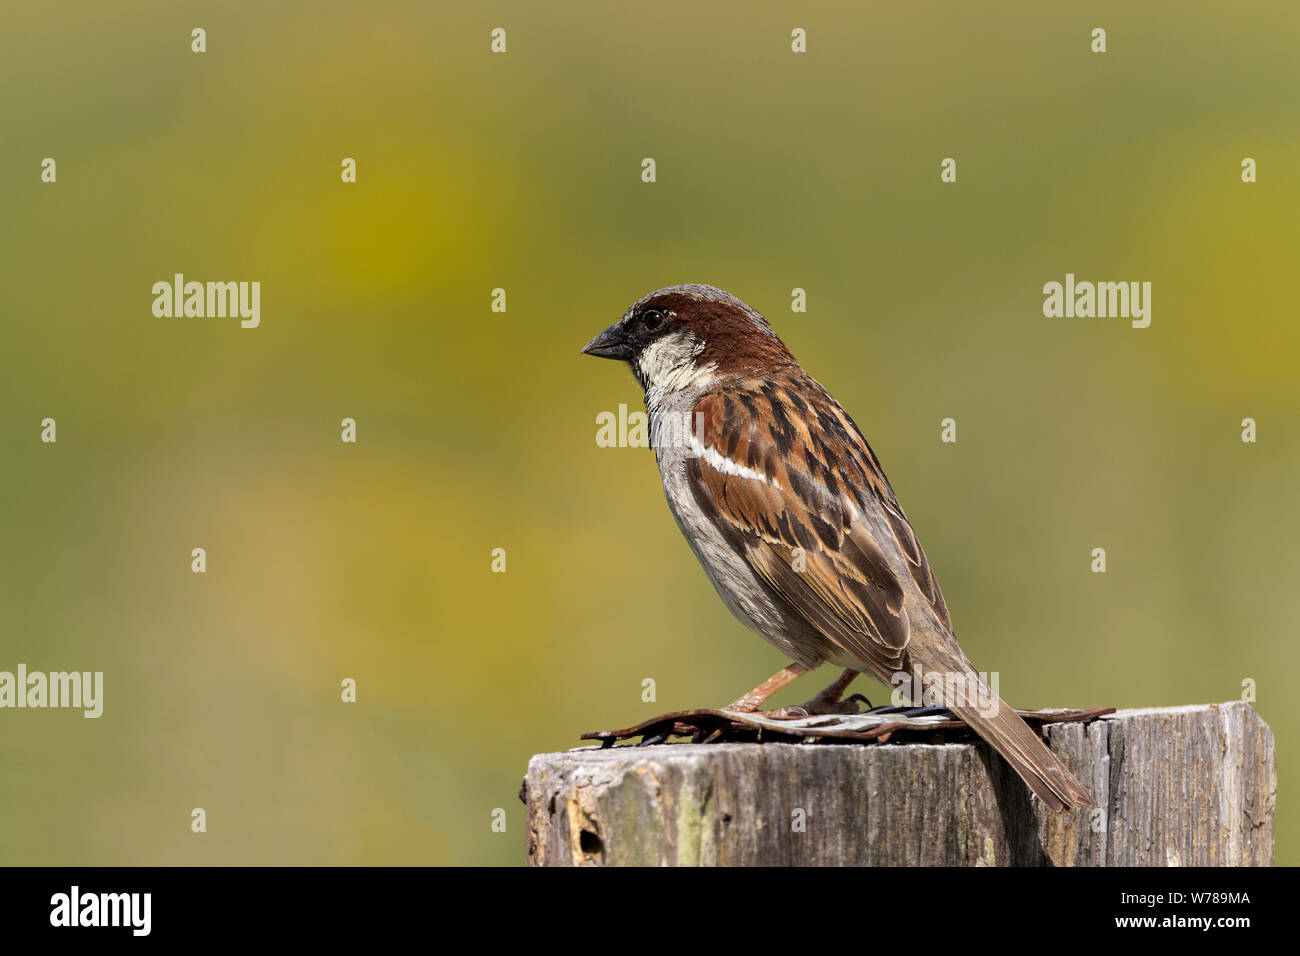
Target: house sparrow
[787,508]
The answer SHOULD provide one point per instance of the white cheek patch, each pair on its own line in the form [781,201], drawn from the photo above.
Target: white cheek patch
[662,358]
[725,465]
[667,364]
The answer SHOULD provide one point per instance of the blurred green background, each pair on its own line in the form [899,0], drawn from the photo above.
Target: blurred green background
[477,430]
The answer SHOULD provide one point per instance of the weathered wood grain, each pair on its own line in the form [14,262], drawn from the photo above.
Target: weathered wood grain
[1176,786]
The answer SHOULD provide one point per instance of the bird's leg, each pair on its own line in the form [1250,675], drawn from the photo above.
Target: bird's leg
[828,700]
[753,700]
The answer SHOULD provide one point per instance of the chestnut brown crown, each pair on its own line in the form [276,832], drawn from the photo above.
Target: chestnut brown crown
[720,328]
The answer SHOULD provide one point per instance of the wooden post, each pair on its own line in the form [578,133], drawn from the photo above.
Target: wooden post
[1175,786]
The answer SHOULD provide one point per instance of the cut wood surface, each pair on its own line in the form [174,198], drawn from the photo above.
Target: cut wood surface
[1175,786]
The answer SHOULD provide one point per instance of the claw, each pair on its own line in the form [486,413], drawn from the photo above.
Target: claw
[821,707]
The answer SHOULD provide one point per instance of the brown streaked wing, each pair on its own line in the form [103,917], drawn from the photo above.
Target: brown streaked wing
[846,589]
[866,465]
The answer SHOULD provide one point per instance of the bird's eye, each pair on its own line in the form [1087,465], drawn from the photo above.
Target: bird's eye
[652,319]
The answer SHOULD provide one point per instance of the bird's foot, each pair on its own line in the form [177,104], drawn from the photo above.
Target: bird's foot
[821,706]
[829,701]
[749,703]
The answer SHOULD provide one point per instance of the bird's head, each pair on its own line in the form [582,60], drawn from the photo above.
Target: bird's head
[684,335]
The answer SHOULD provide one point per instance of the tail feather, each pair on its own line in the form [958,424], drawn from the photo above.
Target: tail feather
[1003,728]
[1028,755]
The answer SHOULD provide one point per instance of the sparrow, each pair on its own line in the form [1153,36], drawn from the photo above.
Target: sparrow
[786,507]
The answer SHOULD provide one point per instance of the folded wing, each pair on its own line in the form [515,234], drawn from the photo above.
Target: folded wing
[785,474]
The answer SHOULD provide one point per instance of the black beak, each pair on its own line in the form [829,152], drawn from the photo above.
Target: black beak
[612,344]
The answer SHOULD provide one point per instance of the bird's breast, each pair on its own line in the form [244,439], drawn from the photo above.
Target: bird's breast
[735,581]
